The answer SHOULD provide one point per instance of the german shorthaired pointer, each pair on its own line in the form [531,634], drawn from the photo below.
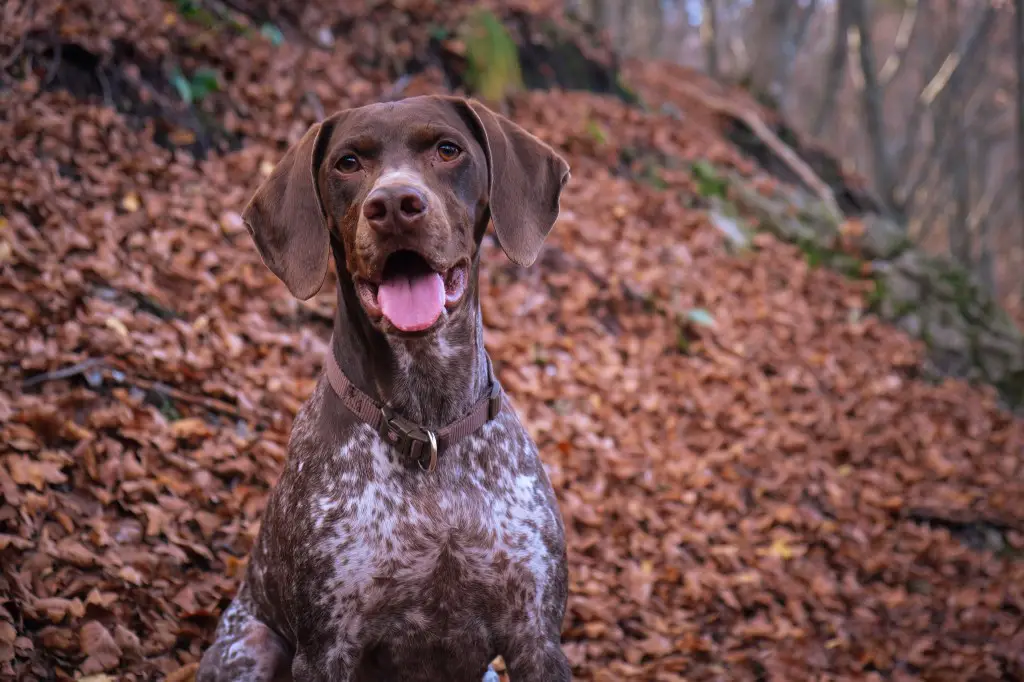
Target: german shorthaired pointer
[413,534]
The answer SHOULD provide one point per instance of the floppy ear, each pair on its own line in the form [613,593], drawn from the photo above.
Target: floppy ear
[286,216]
[526,181]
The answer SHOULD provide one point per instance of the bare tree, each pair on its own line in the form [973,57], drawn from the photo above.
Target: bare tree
[709,37]
[791,48]
[871,99]
[836,70]
[769,28]
[896,60]
[1020,120]
[946,80]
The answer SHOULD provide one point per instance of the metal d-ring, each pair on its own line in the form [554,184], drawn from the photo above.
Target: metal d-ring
[432,464]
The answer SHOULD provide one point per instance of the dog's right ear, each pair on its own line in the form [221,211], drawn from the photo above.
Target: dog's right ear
[286,216]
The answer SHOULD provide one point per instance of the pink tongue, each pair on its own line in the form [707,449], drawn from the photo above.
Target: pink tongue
[412,303]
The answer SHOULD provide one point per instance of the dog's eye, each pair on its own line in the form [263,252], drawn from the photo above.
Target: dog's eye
[349,164]
[448,151]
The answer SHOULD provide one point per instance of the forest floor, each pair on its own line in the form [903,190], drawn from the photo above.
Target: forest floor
[756,482]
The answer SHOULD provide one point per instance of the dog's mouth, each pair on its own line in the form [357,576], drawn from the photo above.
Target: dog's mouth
[412,294]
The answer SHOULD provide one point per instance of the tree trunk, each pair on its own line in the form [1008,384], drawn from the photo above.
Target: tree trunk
[1020,123]
[836,72]
[792,49]
[654,19]
[872,98]
[767,32]
[959,233]
[709,37]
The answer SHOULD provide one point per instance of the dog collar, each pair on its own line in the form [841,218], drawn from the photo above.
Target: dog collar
[407,437]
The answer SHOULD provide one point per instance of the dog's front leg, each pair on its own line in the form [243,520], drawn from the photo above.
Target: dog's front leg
[538,661]
[244,650]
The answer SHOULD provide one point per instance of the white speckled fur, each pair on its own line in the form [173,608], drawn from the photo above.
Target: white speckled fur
[488,511]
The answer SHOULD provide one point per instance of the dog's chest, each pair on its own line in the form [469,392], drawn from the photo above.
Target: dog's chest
[475,535]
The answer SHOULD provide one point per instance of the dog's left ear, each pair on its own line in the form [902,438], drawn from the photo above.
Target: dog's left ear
[286,216]
[526,180]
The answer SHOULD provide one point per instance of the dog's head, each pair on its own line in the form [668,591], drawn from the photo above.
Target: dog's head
[407,187]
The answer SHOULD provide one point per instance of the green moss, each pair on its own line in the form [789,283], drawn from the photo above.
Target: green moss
[218,17]
[813,253]
[169,411]
[438,32]
[710,183]
[628,94]
[596,132]
[904,308]
[851,266]
[652,176]
[493,70]
[682,340]
[194,11]
[202,83]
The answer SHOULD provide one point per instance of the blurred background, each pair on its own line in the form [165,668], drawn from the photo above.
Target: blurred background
[923,97]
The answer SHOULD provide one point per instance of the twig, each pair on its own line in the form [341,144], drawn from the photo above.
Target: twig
[178,394]
[765,134]
[957,519]
[120,376]
[65,373]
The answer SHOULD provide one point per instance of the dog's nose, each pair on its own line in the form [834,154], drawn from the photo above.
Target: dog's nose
[400,206]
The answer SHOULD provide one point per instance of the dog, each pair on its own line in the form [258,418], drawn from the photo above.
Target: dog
[413,533]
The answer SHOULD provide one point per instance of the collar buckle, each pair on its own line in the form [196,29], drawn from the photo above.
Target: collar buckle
[494,401]
[409,438]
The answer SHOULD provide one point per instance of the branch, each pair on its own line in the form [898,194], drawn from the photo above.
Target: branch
[105,367]
[948,71]
[891,67]
[765,134]
[63,373]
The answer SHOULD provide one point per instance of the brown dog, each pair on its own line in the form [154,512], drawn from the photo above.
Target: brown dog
[413,534]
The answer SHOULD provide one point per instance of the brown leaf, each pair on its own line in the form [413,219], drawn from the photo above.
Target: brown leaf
[38,474]
[56,609]
[190,428]
[102,651]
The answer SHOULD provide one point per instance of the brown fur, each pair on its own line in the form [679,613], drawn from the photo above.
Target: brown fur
[366,567]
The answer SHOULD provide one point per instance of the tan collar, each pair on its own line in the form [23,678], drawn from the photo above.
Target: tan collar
[409,438]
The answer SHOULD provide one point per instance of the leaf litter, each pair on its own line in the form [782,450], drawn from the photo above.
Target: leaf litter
[755,482]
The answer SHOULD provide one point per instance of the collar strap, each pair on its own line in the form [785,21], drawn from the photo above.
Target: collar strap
[407,437]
